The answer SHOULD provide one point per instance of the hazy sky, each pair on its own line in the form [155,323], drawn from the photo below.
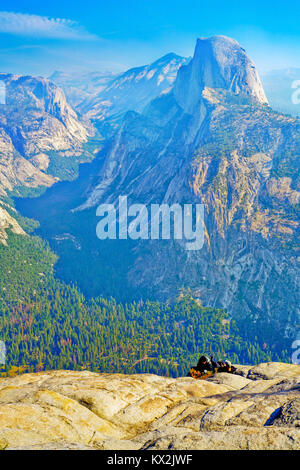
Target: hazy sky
[39,37]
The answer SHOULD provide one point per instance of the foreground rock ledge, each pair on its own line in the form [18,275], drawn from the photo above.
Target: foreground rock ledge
[258,409]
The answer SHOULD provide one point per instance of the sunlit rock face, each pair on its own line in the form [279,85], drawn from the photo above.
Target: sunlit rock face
[35,123]
[258,409]
[37,116]
[8,223]
[218,62]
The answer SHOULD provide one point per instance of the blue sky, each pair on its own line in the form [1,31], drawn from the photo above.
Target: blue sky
[40,37]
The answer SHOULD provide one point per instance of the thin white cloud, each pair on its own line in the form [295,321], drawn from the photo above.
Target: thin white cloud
[43,27]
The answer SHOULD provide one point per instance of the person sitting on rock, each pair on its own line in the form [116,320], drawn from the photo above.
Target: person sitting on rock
[205,365]
[203,369]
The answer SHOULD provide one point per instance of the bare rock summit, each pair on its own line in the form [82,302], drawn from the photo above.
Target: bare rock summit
[258,409]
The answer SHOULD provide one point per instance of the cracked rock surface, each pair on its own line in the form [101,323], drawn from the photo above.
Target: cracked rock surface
[258,409]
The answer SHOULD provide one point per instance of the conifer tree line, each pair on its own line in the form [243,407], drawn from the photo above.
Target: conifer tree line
[47,324]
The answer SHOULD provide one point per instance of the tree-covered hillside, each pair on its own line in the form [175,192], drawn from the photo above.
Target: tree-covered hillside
[47,324]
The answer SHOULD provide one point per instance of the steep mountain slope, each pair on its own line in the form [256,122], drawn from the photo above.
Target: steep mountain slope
[213,139]
[132,90]
[219,62]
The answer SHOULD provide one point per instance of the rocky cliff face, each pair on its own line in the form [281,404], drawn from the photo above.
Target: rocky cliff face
[35,123]
[213,139]
[35,120]
[218,62]
[37,117]
[258,409]
[7,222]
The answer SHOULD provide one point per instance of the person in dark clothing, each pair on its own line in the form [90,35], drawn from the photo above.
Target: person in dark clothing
[205,364]
[204,368]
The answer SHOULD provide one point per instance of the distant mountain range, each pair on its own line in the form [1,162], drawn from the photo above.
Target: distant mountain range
[134,89]
[91,92]
[81,86]
[105,99]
